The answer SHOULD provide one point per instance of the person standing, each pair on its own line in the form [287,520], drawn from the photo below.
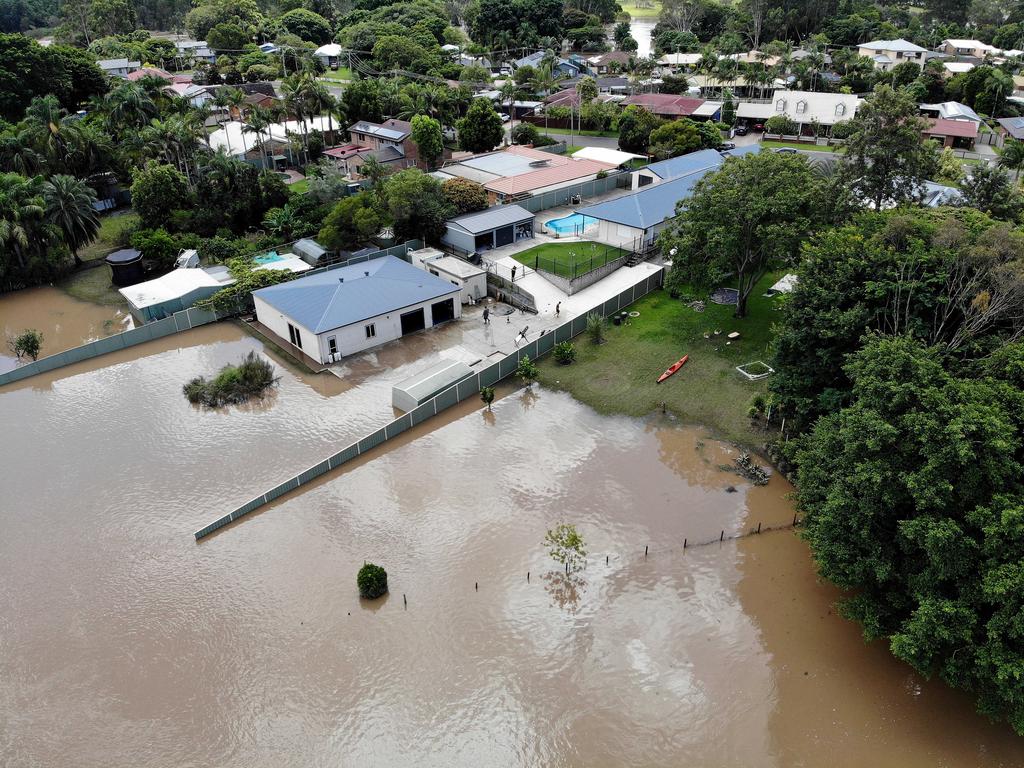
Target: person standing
[514,273]
[487,316]
[558,308]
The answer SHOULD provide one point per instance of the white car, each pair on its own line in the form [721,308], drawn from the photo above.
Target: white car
[505,118]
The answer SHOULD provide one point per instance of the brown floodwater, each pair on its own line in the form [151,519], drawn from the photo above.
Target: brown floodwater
[64,321]
[123,642]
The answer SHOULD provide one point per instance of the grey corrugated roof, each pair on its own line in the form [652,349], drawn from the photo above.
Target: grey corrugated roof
[492,218]
[684,164]
[354,293]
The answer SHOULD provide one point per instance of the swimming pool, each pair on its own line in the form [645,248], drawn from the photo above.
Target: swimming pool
[570,225]
[268,258]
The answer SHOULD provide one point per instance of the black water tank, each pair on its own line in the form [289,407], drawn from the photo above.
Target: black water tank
[126,266]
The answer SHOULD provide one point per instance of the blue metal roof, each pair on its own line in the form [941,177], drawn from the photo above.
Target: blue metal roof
[684,164]
[350,294]
[652,205]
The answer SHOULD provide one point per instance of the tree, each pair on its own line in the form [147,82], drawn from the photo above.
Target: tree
[487,396]
[913,501]
[752,212]
[416,204]
[465,195]
[227,36]
[781,125]
[673,138]
[1011,156]
[351,222]
[566,546]
[156,191]
[527,370]
[586,89]
[950,169]
[989,189]
[481,129]
[728,108]
[69,207]
[372,581]
[525,133]
[885,161]
[429,140]
[28,343]
[112,17]
[307,25]
[635,126]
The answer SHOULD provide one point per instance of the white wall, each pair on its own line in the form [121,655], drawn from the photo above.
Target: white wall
[635,180]
[474,287]
[350,339]
[610,233]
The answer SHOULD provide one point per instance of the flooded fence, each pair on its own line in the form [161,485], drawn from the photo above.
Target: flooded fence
[454,395]
[184,320]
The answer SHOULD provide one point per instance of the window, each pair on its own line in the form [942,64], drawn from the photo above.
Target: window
[332,346]
[294,336]
[840,109]
[780,105]
[801,107]
[371,330]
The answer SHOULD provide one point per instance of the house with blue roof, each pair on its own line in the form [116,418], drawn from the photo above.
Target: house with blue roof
[350,309]
[634,220]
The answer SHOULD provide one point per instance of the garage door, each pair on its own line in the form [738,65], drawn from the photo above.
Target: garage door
[502,236]
[413,321]
[442,311]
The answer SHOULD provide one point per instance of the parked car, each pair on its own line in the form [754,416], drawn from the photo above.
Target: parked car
[726,146]
[758,127]
[741,130]
[505,118]
[785,151]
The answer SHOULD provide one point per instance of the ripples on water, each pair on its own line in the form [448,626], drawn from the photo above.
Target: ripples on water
[125,643]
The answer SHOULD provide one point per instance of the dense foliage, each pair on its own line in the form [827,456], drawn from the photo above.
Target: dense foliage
[233,384]
[372,581]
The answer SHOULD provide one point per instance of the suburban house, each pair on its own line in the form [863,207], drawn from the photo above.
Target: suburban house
[613,61]
[569,97]
[196,95]
[950,110]
[959,134]
[670,106]
[329,55]
[634,221]
[142,72]
[473,233]
[195,50]
[349,309]
[702,160]
[806,108]
[238,140]
[953,68]
[886,54]
[573,66]
[975,49]
[390,143]
[118,67]
[519,172]
[1012,127]
[673,62]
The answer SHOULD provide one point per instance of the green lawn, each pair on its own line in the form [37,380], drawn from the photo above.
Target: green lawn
[620,375]
[110,231]
[577,132]
[572,148]
[807,147]
[300,187]
[94,284]
[568,259]
[342,73]
[650,10]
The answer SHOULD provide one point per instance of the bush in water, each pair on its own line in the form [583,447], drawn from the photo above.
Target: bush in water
[372,581]
[233,384]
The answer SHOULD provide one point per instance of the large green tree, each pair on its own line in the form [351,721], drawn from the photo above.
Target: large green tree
[157,190]
[913,499]
[741,219]
[884,160]
[352,222]
[426,133]
[481,129]
[635,127]
[69,207]
[416,204]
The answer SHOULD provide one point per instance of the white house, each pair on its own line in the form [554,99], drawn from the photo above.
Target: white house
[973,48]
[472,280]
[888,53]
[803,107]
[346,310]
[118,67]
[329,55]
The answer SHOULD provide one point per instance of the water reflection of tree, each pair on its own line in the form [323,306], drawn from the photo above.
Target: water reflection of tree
[565,589]
[489,419]
[528,398]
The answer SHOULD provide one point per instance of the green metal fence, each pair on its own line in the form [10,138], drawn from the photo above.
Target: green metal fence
[464,390]
[577,261]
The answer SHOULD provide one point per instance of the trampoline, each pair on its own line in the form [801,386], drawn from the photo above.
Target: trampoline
[725,296]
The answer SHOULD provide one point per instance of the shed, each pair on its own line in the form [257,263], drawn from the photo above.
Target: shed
[173,292]
[428,383]
[126,266]
[471,279]
[309,250]
[492,228]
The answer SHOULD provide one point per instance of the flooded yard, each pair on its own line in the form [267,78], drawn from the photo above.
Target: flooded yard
[126,643]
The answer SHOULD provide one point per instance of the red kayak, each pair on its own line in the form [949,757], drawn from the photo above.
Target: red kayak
[673,368]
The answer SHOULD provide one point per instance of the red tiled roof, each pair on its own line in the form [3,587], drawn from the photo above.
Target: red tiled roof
[967,129]
[664,103]
[559,169]
[150,72]
[345,152]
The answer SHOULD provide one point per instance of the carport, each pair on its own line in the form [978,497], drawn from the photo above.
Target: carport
[489,229]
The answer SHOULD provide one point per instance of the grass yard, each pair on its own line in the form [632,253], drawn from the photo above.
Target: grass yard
[577,132]
[648,9]
[620,375]
[300,187]
[808,147]
[342,73]
[111,226]
[568,259]
[94,284]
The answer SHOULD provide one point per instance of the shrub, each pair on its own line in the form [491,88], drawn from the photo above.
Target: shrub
[487,395]
[372,581]
[780,124]
[527,371]
[232,384]
[565,352]
[525,133]
[596,327]
[28,343]
[566,546]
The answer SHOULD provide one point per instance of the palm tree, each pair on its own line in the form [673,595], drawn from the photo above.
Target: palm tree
[545,80]
[281,222]
[18,156]
[69,206]
[224,99]
[1000,85]
[510,92]
[259,121]
[1011,156]
[128,106]
[21,214]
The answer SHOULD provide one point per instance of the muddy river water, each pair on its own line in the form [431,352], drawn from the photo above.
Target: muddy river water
[123,642]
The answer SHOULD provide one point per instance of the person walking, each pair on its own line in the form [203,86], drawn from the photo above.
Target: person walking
[487,316]
[558,308]
[514,273]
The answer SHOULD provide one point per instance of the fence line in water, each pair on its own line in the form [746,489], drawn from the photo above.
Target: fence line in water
[446,399]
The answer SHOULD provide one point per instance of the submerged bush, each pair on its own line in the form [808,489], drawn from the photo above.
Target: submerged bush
[372,581]
[232,384]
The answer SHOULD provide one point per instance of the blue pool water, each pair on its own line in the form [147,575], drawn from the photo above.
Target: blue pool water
[267,258]
[570,225]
